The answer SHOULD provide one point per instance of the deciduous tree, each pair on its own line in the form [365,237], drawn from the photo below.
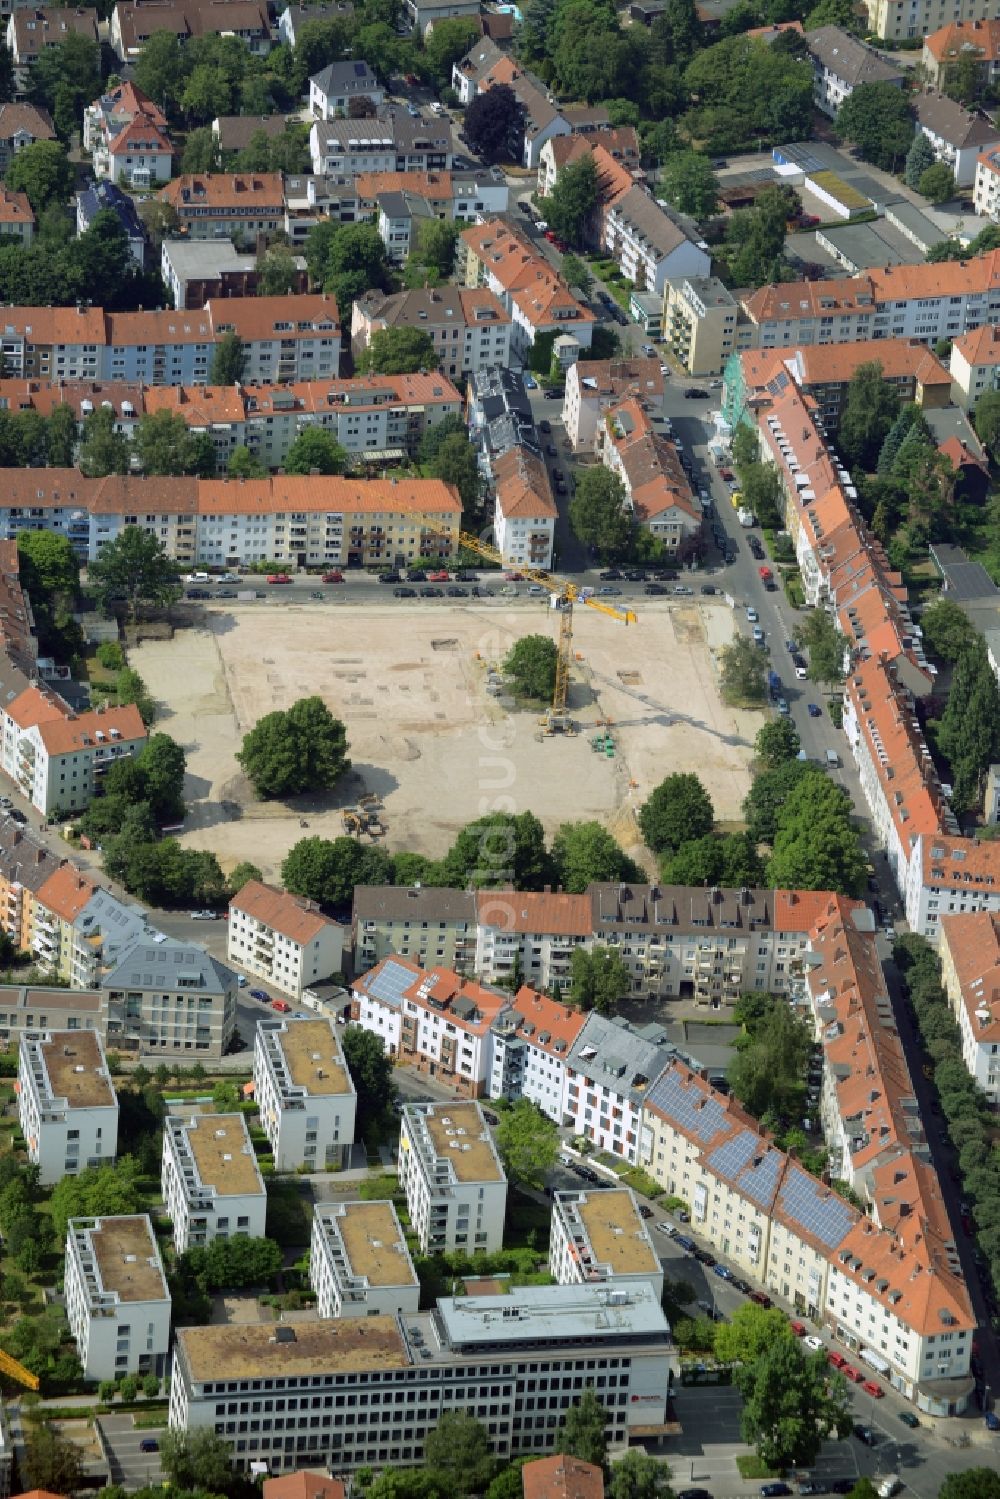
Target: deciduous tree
[494,124]
[583,1433]
[134,566]
[502,848]
[748,1332]
[197,1460]
[599,979]
[570,205]
[871,407]
[399,351]
[597,513]
[44,172]
[585,853]
[688,181]
[878,119]
[371,1072]
[228,360]
[301,749]
[742,673]
[327,870]
[676,810]
[530,665]
[791,1404]
[937,184]
[458,1449]
[315,449]
[777,742]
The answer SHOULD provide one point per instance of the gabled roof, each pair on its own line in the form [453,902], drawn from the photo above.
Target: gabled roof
[141,134]
[292,916]
[955,125]
[303,1485]
[849,59]
[345,78]
[523,489]
[978,39]
[224,191]
[26,119]
[560,1477]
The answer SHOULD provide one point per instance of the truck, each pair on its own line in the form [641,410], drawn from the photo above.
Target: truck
[745,517]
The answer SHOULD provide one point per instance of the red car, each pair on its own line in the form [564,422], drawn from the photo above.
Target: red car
[278,578]
[550,235]
[334,577]
[281,1005]
[849,1372]
[761,1299]
[513,577]
[726,475]
[798,1328]
[873,1389]
[766,574]
[560,245]
[836,1360]
[441,576]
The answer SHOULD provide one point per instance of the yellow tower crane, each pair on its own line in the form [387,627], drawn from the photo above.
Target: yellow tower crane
[564,596]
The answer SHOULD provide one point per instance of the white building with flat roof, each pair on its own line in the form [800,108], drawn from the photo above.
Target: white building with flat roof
[304,1092]
[456,1188]
[288,1396]
[67,1104]
[359,1265]
[600,1236]
[212,1186]
[117,1301]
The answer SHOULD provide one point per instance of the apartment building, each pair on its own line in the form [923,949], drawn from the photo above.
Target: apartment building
[67,1106]
[470,327]
[657,490]
[649,242]
[621,144]
[31,30]
[57,757]
[304,1093]
[58,904]
[283,939]
[532,933]
[196,271]
[359,1265]
[445,1028]
[609,1069]
[970,972]
[963,40]
[126,135]
[927,302]
[25,865]
[17,221]
[840,62]
[599,1238]
[375,418]
[500,258]
[166,998]
[212,1187]
[823,373]
[975,365]
[241,206]
[699,322]
[958,136]
[616,1342]
[456,1189]
[338,89]
[531,1043]
[433,928]
[20,125]
[892,1296]
[394,141]
[133,22]
[986,185]
[593,386]
[31,1008]
[117,1301]
[105,196]
[524,511]
[900,20]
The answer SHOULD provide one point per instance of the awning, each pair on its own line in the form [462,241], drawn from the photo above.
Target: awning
[876,1360]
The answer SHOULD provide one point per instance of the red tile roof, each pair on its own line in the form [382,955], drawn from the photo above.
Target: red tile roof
[561,1477]
[296,918]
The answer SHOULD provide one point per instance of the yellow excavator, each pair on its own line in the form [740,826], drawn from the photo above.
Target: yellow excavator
[564,595]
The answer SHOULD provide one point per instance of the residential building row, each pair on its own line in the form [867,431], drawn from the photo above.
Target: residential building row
[500,259]
[284,339]
[976,40]
[657,491]
[133,22]
[677,941]
[907,20]
[595,386]
[509,450]
[299,521]
[392,140]
[469,326]
[377,418]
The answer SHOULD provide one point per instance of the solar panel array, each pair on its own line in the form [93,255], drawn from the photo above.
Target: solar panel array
[827,1218]
[678,1101]
[390,983]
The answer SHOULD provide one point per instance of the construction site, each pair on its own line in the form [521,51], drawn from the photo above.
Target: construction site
[434,739]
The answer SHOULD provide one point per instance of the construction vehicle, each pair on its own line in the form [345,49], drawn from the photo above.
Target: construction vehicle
[360,819]
[564,596]
[11,1367]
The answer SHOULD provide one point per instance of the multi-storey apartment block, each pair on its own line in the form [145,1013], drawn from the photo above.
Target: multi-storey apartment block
[970,972]
[500,258]
[212,1187]
[433,928]
[231,205]
[31,1008]
[282,938]
[531,1042]
[599,1236]
[469,326]
[56,756]
[699,323]
[975,364]
[593,386]
[359,1265]
[304,1092]
[456,1189]
[531,933]
[616,1341]
[657,490]
[67,1105]
[168,998]
[117,1301]
[609,1069]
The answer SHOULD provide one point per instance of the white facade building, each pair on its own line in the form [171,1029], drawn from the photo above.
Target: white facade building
[117,1301]
[304,1093]
[359,1265]
[57,758]
[456,1189]
[283,939]
[599,1236]
[212,1186]
[512,1364]
[970,973]
[67,1106]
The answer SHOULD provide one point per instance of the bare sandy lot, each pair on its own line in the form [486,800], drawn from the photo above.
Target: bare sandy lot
[409,681]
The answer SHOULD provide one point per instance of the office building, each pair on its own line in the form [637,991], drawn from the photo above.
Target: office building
[67,1106]
[212,1186]
[117,1301]
[456,1189]
[359,1265]
[304,1093]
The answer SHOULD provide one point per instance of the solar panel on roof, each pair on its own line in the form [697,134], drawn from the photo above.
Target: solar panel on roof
[732,1155]
[389,984]
[759,1182]
[678,1103]
[827,1218]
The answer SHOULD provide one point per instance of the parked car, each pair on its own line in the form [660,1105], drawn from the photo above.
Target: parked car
[694,1494]
[814,710]
[530,383]
[707,588]
[813,1342]
[798,1328]
[281,1005]
[440,575]
[457,593]
[149,1444]
[390,576]
[740,1285]
[645,1211]
[842,1485]
[202,915]
[774,1490]
[481,593]
[781,703]
[909,1419]
[812,1486]
[430,592]
[865,1434]
[761,1298]
[854,1375]
[544,426]
[416,575]
[992,1421]
[695,393]
[334,576]
[405,593]
[260,994]
[722,1271]
[752,615]
[278,578]
[836,1360]
[610,575]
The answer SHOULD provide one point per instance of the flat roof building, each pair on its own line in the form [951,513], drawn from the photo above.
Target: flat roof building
[359,1264]
[117,1300]
[600,1236]
[212,1186]
[67,1105]
[456,1189]
[304,1093]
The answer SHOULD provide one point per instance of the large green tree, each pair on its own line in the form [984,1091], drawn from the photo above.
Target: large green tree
[458,1451]
[688,181]
[599,979]
[583,1433]
[969,732]
[598,515]
[742,673]
[103,449]
[494,124]
[371,1072]
[164,446]
[502,848]
[639,1476]
[878,119]
[820,636]
[871,407]
[327,870]
[919,157]
[44,172]
[676,810]
[792,1404]
[816,845]
[570,206]
[585,853]
[228,360]
[971,1483]
[315,450]
[986,418]
[748,1332]
[399,351]
[135,567]
[52,1462]
[197,1460]
[777,742]
[530,665]
[528,1143]
[301,749]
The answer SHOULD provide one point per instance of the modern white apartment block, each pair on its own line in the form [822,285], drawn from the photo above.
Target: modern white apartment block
[212,1186]
[359,1265]
[304,1092]
[117,1301]
[456,1188]
[282,938]
[288,1396]
[67,1105]
[168,998]
[970,971]
[531,1044]
[598,1236]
